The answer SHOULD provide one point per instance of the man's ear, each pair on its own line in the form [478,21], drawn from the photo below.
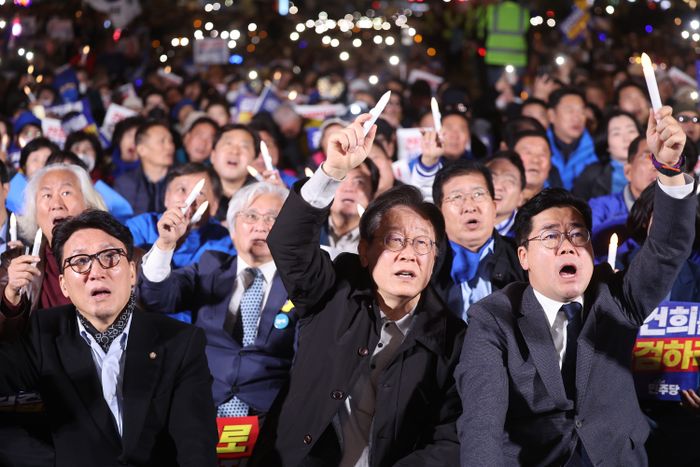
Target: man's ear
[522,257]
[62,283]
[132,273]
[362,251]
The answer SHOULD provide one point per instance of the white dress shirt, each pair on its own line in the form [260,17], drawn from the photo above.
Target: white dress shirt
[156,268]
[110,370]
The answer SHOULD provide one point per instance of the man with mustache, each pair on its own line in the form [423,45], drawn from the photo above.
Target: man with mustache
[544,374]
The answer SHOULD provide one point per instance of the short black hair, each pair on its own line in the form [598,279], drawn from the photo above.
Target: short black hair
[629,83]
[512,157]
[123,126]
[34,145]
[195,168]
[634,147]
[203,120]
[527,133]
[515,126]
[546,199]
[533,101]
[79,137]
[90,219]
[558,94]
[144,128]
[456,169]
[237,126]
[402,195]
[65,157]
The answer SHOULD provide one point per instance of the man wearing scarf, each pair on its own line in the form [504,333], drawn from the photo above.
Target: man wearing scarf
[119,385]
[478,260]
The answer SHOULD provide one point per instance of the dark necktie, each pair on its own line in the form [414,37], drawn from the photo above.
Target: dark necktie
[573,328]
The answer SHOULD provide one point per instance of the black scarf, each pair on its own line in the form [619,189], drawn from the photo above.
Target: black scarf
[104,339]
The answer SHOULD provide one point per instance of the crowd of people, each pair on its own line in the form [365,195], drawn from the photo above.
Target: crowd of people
[453,305]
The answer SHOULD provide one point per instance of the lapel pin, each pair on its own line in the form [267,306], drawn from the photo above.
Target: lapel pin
[281,321]
[152,355]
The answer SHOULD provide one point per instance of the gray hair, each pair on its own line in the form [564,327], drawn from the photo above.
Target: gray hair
[284,113]
[27,221]
[247,196]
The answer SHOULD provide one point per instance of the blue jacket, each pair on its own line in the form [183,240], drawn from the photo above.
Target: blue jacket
[142,194]
[255,373]
[117,205]
[211,236]
[583,155]
[608,210]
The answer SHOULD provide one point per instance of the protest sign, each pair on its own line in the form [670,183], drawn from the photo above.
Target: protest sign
[237,436]
[665,357]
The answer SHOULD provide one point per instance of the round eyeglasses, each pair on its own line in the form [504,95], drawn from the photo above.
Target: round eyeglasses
[422,245]
[553,239]
[82,264]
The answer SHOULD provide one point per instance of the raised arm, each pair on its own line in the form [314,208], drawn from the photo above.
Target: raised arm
[653,271]
[306,271]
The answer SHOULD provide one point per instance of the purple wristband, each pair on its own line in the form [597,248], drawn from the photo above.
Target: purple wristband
[668,170]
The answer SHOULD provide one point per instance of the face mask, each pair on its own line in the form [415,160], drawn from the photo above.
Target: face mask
[88,160]
[82,87]
[231,96]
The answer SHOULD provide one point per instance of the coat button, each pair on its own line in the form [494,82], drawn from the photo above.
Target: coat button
[307,439]
[234,389]
[579,424]
[363,351]
[337,395]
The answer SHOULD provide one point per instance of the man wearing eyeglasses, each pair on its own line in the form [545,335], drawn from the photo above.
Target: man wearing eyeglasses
[372,382]
[239,301]
[544,374]
[479,260]
[119,385]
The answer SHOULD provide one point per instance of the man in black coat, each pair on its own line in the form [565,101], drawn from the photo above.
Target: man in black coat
[120,386]
[372,382]
[478,260]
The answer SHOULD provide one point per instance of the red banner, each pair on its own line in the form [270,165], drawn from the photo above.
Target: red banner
[237,436]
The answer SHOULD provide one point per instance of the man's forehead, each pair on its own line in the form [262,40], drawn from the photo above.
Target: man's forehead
[57,178]
[562,215]
[404,218]
[236,134]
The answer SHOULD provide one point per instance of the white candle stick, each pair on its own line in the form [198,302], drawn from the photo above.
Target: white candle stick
[37,242]
[13,227]
[253,172]
[267,159]
[437,117]
[612,251]
[308,172]
[376,112]
[197,216]
[360,209]
[193,195]
[650,78]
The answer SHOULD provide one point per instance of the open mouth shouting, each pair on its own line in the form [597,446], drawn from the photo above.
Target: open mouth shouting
[100,293]
[568,271]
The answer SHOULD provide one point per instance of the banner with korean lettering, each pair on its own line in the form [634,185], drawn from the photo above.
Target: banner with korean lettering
[665,358]
[237,437]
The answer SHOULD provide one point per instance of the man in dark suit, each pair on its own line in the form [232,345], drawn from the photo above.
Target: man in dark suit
[249,349]
[544,374]
[372,382]
[120,386]
[478,260]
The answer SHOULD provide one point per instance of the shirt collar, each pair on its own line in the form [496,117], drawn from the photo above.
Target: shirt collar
[122,339]
[404,324]
[268,269]
[552,307]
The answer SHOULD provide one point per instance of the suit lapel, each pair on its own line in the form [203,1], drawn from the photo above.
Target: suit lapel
[76,357]
[535,329]
[223,286]
[275,301]
[144,359]
[585,348]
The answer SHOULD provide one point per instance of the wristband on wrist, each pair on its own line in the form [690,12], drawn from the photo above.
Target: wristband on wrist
[668,170]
